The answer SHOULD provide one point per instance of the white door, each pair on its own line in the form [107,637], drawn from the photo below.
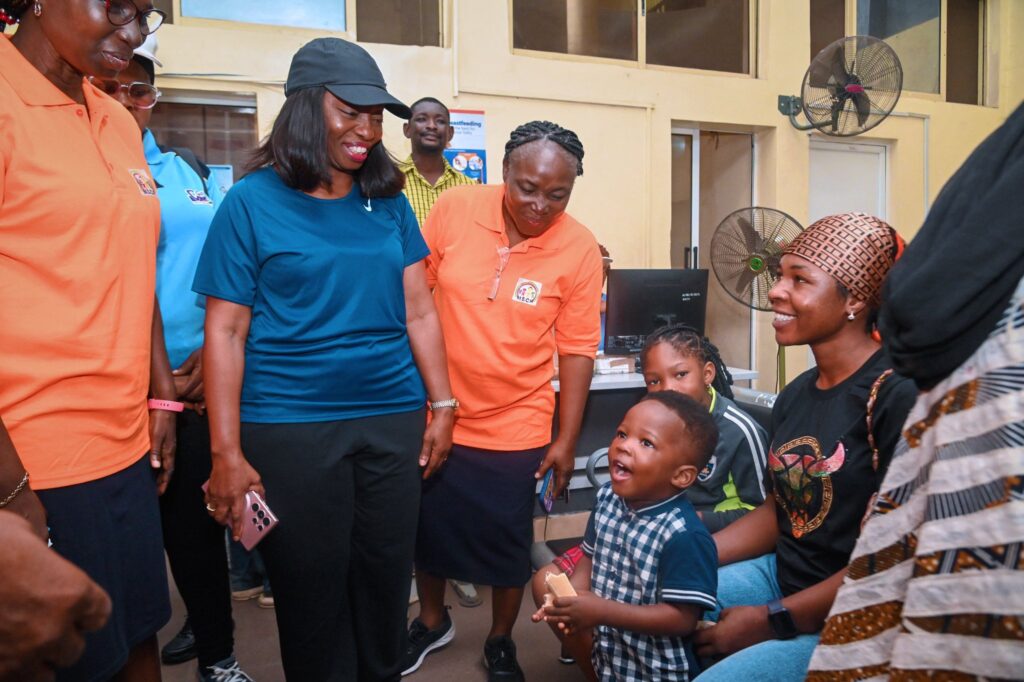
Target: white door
[847,177]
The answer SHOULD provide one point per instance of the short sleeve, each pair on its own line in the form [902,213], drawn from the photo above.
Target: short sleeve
[895,401]
[688,570]
[433,231]
[229,263]
[578,325]
[413,245]
[590,536]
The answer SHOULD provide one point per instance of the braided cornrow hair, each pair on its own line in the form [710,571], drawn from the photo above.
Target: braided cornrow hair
[11,11]
[546,130]
[689,342]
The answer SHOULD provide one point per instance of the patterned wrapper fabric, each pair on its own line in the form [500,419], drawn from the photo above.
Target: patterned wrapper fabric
[935,588]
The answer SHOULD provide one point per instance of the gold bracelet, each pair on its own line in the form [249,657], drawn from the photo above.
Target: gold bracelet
[14,493]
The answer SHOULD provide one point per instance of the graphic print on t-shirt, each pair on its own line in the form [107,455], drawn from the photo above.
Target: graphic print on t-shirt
[527,291]
[803,481]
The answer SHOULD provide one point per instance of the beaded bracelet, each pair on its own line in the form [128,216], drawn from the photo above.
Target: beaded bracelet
[14,493]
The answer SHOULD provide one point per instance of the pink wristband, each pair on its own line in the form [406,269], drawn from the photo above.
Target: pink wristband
[169,405]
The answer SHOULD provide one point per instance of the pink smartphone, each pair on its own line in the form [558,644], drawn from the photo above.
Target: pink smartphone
[257,520]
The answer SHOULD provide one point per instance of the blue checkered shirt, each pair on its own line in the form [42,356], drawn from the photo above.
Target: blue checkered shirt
[662,553]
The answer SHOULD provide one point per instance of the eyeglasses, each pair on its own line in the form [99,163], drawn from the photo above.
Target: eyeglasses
[503,252]
[124,12]
[142,95]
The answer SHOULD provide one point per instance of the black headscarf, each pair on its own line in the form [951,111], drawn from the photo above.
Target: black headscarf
[948,291]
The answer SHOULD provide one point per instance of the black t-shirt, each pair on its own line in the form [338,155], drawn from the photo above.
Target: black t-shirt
[820,466]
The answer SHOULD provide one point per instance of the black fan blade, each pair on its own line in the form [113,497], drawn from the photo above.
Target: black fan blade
[839,71]
[743,280]
[863,104]
[821,67]
[751,240]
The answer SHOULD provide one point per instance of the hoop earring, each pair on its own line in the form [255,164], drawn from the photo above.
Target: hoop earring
[37,9]
[851,317]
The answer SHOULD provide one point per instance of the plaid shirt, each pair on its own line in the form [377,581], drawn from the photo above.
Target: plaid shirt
[421,194]
[661,553]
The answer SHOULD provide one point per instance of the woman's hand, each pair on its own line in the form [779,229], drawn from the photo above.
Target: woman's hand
[574,614]
[162,445]
[562,457]
[737,628]
[188,379]
[437,440]
[230,479]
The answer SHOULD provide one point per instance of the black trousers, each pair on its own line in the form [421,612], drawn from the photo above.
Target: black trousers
[347,496]
[195,543]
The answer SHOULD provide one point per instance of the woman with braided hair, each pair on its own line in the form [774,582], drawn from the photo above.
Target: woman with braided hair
[516,280]
[82,344]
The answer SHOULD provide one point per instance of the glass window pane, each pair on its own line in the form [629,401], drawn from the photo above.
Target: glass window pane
[597,28]
[963,50]
[699,34]
[911,27]
[167,6]
[399,22]
[217,134]
[828,23]
[327,15]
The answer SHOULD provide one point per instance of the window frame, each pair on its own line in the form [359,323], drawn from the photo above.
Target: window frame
[987,95]
[180,19]
[641,47]
[352,23]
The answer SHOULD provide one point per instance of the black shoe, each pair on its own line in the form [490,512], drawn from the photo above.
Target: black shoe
[423,641]
[182,648]
[500,660]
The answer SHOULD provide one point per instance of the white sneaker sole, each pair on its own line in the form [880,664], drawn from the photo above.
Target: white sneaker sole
[448,637]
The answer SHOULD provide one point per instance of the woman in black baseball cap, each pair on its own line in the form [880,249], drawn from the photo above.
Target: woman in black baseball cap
[322,350]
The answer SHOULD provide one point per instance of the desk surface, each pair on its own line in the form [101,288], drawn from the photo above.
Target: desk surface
[611,382]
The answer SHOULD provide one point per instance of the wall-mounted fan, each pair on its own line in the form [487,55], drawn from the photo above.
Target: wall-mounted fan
[849,88]
[746,249]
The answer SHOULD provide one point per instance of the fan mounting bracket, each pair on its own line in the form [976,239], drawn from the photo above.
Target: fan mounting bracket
[791,105]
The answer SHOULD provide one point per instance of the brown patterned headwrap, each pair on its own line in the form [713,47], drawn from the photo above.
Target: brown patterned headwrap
[854,248]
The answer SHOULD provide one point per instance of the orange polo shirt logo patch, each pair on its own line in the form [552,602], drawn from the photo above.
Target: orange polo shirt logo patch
[146,186]
[527,291]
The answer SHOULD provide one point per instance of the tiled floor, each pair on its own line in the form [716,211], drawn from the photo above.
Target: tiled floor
[257,649]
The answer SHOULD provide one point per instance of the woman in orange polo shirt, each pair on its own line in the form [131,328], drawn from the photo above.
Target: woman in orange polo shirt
[80,218]
[516,280]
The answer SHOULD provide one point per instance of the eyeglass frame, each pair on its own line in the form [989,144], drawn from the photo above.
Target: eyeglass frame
[127,86]
[143,27]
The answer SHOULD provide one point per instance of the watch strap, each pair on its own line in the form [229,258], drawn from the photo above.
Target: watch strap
[167,405]
[781,620]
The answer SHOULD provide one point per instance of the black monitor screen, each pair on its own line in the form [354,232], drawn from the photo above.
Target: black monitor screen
[640,301]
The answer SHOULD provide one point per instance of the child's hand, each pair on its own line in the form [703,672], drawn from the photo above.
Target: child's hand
[737,628]
[573,614]
[549,600]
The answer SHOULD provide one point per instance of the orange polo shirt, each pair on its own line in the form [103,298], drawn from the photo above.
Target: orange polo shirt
[501,351]
[79,220]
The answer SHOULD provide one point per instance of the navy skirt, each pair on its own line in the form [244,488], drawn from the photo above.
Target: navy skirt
[476,517]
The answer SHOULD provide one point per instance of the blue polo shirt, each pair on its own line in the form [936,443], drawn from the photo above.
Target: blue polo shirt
[186,209]
[661,553]
[323,277]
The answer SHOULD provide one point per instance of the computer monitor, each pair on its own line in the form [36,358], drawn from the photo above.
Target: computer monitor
[640,301]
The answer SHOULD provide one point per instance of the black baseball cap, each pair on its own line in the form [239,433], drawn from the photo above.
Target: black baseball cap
[346,70]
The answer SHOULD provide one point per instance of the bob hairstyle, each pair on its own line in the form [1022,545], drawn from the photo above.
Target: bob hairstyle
[297,150]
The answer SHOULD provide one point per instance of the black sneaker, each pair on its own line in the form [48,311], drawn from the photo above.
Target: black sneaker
[422,641]
[182,648]
[500,660]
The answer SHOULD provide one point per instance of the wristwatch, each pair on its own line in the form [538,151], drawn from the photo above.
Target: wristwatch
[438,404]
[780,620]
